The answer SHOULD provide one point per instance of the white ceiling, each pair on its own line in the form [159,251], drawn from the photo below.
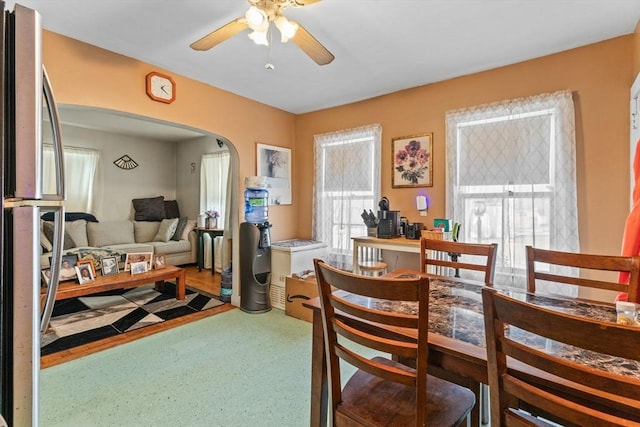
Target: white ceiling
[380,46]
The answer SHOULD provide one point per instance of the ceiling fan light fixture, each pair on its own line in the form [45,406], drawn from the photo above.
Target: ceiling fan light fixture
[259,37]
[256,18]
[287,28]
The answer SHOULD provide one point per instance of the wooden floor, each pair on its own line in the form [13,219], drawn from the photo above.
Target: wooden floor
[202,282]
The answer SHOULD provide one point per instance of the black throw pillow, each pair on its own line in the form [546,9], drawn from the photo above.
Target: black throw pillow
[149,209]
[182,223]
[171,209]
[71,216]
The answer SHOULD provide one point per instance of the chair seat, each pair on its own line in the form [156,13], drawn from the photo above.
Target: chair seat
[372,267]
[371,401]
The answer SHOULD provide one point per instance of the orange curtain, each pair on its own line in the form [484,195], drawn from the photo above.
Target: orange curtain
[631,236]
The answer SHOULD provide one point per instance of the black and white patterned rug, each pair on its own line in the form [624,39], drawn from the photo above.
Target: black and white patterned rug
[82,320]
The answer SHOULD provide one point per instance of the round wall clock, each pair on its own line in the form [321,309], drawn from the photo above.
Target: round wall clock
[161,87]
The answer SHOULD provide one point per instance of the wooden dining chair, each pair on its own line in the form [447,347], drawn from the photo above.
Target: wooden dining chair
[555,386]
[555,259]
[444,254]
[382,391]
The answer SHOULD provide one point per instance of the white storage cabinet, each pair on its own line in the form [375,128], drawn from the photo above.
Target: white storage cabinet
[289,257]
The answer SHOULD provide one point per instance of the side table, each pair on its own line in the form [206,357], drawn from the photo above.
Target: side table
[213,232]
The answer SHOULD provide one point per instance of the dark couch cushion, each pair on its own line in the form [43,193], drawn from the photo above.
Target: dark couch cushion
[149,209]
[71,216]
[171,209]
[182,223]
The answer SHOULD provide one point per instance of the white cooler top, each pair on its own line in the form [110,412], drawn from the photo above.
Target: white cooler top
[296,245]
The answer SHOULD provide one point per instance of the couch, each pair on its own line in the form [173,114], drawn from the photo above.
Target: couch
[174,238]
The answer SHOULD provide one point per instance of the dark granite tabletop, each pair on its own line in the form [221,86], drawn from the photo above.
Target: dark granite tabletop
[455,311]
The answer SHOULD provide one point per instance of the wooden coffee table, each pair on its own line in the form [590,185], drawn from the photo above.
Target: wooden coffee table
[123,280]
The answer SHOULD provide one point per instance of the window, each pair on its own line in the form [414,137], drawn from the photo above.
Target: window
[347,181]
[214,172]
[511,178]
[80,172]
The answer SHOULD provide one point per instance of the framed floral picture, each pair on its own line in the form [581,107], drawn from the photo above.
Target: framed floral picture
[274,163]
[412,161]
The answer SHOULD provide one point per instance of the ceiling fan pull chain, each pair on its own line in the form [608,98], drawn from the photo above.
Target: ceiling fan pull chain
[269,65]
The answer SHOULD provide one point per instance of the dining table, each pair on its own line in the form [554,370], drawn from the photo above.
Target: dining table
[457,339]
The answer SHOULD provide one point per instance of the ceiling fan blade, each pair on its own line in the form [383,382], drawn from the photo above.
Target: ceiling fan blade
[312,47]
[221,34]
[306,2]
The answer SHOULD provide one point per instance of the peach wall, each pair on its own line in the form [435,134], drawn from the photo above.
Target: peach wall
[83,74]
[599,75]
[636,49]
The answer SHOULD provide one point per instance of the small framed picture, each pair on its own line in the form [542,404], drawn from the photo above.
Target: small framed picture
[88,262]
[46,276]
[138,257]
[139,267]
[159,261]
[85,273]
[67,270]
[109,265]
[274,163]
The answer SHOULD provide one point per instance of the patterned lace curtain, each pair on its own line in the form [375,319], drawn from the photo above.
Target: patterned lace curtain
[81,176]
[347,181]
[511,180]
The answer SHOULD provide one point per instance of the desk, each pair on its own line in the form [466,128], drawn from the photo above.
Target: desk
[400,244]
[213,232]
[456,334]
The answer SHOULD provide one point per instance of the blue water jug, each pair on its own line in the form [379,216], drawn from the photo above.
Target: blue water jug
[256,205]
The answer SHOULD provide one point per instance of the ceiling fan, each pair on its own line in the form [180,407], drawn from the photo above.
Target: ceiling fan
[258,18]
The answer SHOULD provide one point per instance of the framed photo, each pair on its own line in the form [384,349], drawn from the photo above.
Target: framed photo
[412,161]
[274,163]
[138,257]
[85,272]
[67,270]
[46,276]
[159,261]
[109,265]
[88,262]
[139,267]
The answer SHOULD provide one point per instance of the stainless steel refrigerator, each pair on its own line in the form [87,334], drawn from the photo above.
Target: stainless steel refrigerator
[24,313]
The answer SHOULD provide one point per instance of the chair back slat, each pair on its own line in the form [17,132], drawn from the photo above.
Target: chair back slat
[609,263]
[437,253]
[618,396]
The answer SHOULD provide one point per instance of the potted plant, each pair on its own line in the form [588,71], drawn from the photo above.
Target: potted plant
[212,218]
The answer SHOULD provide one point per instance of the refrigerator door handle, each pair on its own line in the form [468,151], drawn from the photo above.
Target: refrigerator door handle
[60,194]
[57,139]
[56,265]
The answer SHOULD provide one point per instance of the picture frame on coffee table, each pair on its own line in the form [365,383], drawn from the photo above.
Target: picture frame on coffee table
[67,264]
[159,261]
[85,273]
[139,267]
[89,263]
[137,257]
[109,265]
[46,276]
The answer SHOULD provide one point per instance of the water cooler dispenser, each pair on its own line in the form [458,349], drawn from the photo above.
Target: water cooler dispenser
[255,253]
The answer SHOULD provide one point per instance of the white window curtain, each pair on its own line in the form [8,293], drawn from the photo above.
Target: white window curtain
[214,174]
[80,173]
[347,181]
[511,179]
